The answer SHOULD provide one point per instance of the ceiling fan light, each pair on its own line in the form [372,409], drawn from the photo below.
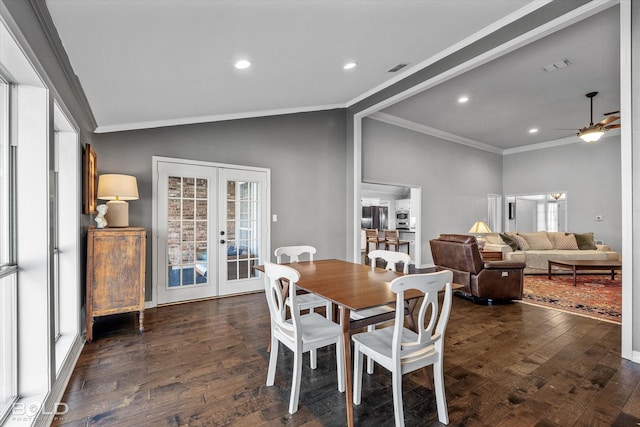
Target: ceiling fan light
[591,134]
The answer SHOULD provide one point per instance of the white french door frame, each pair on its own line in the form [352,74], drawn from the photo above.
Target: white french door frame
[155,261]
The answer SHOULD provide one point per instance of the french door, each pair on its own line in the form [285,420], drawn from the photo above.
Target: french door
[212,229]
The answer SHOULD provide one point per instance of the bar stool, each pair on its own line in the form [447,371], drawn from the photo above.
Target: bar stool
[392,238]
[372,236]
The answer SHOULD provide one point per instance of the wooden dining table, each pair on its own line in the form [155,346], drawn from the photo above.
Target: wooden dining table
[351,287]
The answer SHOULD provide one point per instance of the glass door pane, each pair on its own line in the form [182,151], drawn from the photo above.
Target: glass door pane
[244,225]
[187,224]
[186,194]
[243,229]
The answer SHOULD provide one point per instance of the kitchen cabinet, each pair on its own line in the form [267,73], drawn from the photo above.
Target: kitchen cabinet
[403,205]
[115,273]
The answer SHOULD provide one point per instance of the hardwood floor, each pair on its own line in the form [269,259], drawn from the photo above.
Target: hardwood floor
[205,364]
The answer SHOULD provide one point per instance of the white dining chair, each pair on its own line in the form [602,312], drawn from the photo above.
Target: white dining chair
[300,333]
[401,350]
[306,301]
[391,258]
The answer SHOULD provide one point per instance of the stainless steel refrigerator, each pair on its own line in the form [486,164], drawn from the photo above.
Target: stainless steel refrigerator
[375,217]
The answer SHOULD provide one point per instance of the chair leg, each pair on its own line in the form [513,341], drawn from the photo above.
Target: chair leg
[370,360]
[313,354]
[313,358]
[357,374]
[397,396]
[273,361]
[441,400]
[329,311]
[295,382]
[340,365]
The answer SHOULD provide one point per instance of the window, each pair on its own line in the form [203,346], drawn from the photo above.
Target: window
[8,270]
[32,375]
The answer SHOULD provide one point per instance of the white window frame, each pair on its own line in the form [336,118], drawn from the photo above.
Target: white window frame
[8,267]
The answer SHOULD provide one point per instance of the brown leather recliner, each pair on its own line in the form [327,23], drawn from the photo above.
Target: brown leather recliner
[494,280]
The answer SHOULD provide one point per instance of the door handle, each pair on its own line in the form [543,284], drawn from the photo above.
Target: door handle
[222,241]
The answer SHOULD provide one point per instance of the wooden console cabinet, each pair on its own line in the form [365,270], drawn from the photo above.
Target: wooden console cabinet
[491,255]
[115,273]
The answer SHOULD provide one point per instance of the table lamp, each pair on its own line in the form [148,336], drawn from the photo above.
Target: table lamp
[117,189]
[480,228]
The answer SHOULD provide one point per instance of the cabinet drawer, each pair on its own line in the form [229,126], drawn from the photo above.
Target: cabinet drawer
[491,255]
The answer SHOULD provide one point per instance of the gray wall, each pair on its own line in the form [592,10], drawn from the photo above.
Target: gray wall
[455,179]
[305,152]
[588,173]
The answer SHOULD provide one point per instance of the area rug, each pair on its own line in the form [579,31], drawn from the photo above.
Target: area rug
[594,296]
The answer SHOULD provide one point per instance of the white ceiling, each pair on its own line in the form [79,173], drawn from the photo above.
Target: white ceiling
[148,63]
[512,94]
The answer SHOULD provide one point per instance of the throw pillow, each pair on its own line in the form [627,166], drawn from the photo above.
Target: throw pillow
[585,241]
[522,243]
[552,237]
[565,242]
[538,240]
[509,241]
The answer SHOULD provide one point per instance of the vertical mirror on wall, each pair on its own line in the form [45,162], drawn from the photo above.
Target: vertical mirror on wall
[536,212]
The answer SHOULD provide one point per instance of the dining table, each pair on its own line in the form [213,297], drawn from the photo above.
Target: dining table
[351,287]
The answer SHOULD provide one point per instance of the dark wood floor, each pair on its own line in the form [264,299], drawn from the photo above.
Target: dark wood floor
[205,364]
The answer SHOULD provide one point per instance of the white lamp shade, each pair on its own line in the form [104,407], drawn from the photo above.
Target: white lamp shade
[480,227]
[117,187]
[591,134]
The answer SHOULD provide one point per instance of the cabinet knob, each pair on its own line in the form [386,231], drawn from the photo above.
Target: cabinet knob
[222,233]
[222,241]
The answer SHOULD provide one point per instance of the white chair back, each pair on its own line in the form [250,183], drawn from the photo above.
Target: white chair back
[301,334]
[431,332]
[391,258]
[274,290]
[294,252]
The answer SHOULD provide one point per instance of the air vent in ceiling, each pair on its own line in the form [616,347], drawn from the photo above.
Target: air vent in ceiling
[557,65]
[396,68]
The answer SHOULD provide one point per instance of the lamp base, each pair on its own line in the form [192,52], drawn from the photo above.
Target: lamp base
[118,213]
[481,242]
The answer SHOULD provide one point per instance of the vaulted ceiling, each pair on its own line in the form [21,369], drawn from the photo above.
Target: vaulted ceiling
[149,63]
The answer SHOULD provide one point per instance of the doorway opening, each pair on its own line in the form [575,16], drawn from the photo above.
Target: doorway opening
[391,207]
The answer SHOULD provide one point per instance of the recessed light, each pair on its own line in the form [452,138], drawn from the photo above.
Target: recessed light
[533,130]
[242,64]
[349,65]
[463,99]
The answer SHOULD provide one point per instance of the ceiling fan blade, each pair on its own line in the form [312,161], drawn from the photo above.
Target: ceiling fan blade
[612,112]
[616,126]
[608,120]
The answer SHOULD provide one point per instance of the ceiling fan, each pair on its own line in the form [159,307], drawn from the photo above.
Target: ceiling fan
[593,132]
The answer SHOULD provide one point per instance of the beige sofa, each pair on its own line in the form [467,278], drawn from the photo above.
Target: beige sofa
[535,249]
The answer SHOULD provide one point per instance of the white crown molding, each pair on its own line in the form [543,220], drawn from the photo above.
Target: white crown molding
[213,118]
[514,16]
[417,127]
[572,139]
[51,33]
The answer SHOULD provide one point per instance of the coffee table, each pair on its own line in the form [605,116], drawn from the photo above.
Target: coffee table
[577,265]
